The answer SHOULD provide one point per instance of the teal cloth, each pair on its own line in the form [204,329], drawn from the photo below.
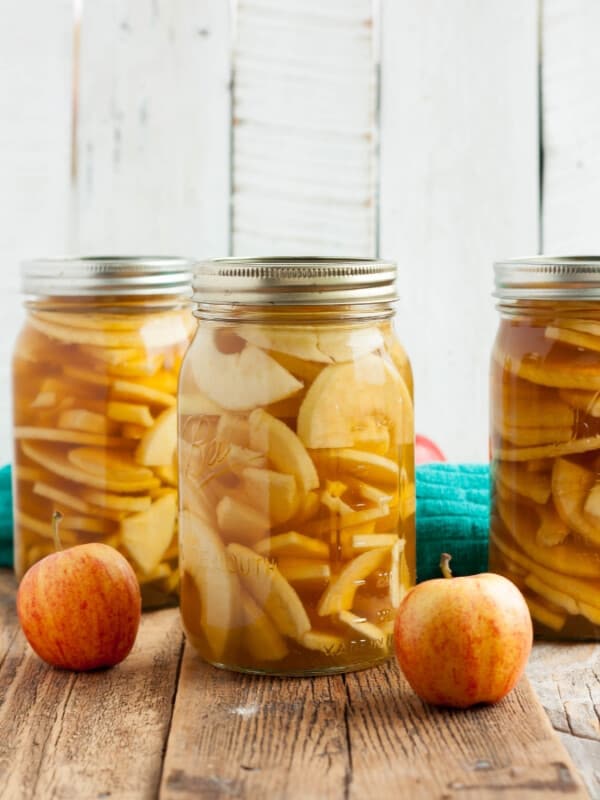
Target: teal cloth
[453,503]
[452,516]
[6,518]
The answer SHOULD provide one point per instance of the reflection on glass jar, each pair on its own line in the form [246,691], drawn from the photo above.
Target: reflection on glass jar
[95,373]
[545,441]
[296,466]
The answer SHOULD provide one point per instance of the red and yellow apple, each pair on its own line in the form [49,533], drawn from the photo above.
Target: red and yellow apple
[462,641]
[80,608]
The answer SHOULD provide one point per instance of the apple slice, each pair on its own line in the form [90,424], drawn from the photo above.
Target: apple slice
[147,534]
[331,644]
[271,591]
[274,494]
[261,638]
[529,437]
[553,530]
[196,403]
[138,393]
[363,627]
[64,436]
[158,444]
[352,522]
[306,573]
[221,374]
[284,449]
[319,344]
[368,467]
[536,486]
[292,545]
[588,402]
[241,522]
[571,484]
[551,618]
[129,412]
[118,502]
[59,464]
[234,429]
[545,451]
[339,595]
[80,419]
[551,594]
[116,463]
[347,399]
[204,558]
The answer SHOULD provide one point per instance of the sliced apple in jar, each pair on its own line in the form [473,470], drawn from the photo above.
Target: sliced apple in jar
[273,493]
[339,595]
[262,639]
[271,591]
[283,448]
[204,558]
[147,534]
[571,484]
[346,399]
[292,545]
[241,522]
[158,444]
[220,374]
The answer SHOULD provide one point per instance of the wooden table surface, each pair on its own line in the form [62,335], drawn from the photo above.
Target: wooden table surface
[164,724]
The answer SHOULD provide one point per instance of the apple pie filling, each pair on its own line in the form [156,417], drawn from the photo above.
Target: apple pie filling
[296,492]
[545,446]
[96,433]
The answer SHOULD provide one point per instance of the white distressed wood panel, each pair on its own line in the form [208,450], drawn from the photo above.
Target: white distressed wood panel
[153,137]
[304,139]
[459,189]
[571,127]
[35,113]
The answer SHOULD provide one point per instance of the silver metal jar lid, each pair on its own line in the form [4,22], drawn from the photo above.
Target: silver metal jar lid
[294,281]
[548,278]
[90,276]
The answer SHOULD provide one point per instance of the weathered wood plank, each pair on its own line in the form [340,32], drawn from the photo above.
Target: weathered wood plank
[571,126]
[304,175]
[152,140]
[399,744]
[247,736]
[364,734]
[566,678]
[101,734]
[459,189]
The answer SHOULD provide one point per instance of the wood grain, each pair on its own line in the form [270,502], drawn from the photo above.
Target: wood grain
[364,734]
[247,736]
[566,677]
[162,726]
[87,735]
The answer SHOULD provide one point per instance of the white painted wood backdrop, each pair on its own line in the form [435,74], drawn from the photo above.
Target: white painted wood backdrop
[363,127]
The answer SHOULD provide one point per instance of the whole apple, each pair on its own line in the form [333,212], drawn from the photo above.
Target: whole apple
[80,608]
[462,641]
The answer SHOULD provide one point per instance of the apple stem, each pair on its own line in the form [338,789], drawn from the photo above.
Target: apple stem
[56,518]
[445,559]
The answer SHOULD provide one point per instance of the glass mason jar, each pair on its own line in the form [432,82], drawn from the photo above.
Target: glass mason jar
[95,372]
[545,440]
[296,466]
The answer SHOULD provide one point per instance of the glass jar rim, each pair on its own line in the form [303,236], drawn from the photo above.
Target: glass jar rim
[543,277]
[93,276]
[294,280]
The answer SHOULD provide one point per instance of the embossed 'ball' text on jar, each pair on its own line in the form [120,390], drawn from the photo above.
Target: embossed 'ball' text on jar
[95,372]
[545,440]
[296,459]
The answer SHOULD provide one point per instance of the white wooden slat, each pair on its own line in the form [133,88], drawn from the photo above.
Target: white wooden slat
[459,189]
[571,129]
[35,117]
[304,139]
[153,139]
